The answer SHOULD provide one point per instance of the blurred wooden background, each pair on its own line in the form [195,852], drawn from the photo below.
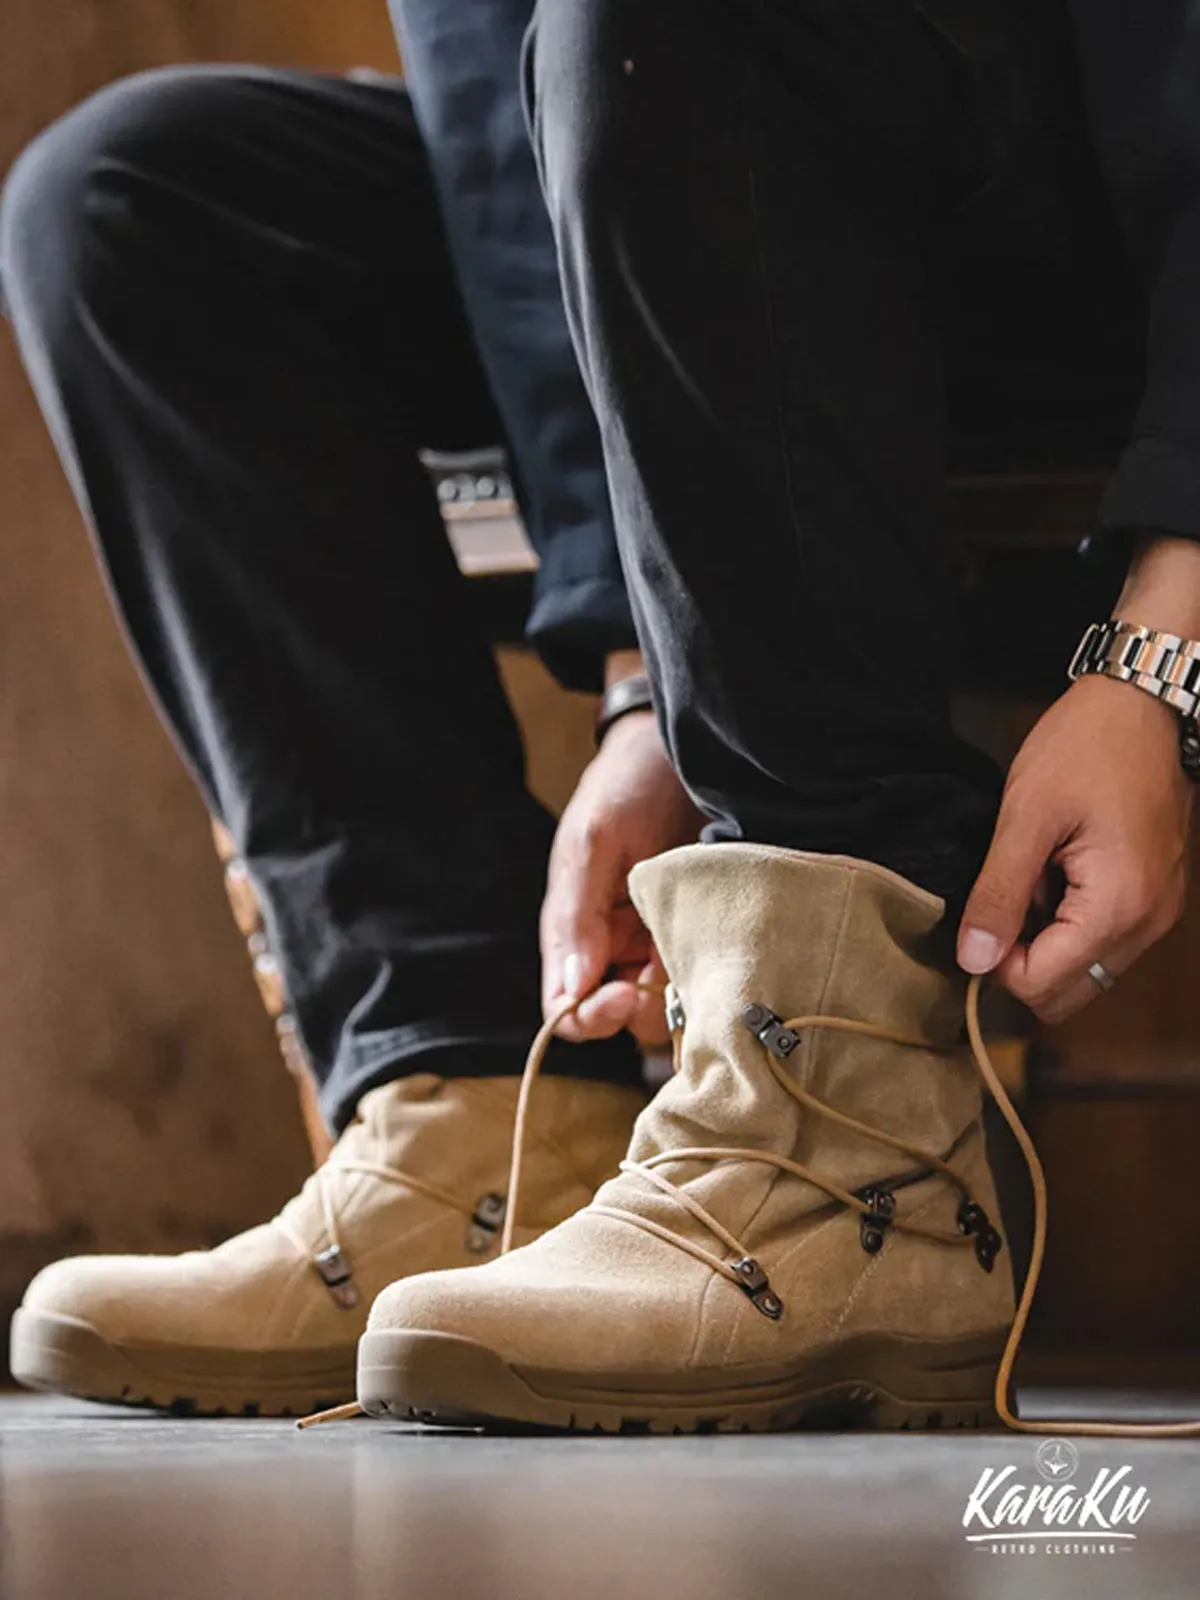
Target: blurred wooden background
[142,1104]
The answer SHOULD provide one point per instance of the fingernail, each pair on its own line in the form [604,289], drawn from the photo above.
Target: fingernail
[978,952]
[572,976]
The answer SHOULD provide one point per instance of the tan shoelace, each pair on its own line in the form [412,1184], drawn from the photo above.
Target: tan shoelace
[371,1169]
[1012,1346]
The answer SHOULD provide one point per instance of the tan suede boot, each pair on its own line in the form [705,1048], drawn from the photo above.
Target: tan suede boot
[763,1259]
[268,1322]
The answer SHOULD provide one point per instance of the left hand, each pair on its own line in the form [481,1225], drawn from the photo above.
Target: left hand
[629,805]
[1096,799]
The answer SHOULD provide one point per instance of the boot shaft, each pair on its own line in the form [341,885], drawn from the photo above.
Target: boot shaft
[803,935]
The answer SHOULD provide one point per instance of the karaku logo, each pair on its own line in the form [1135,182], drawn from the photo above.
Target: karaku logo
[1062,1515]
[1057,1459]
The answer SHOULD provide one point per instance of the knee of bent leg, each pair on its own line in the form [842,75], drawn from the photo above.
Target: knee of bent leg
[588,126]
[55,191]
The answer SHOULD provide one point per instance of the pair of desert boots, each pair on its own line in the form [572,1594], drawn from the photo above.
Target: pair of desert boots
[801,1227]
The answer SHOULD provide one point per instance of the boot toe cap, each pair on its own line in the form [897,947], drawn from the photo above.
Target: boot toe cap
[186,1299]
[87,1288]
[434,1302]
[557,1302]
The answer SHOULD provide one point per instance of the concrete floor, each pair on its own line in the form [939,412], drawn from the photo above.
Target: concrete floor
[96,1502]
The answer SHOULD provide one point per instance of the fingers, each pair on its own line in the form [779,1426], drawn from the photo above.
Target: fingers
[620,1003]
[594,945]
[1079,990]
[1112,925]
[604,1012]
[1106,914]
[648,1022]
[574,921]
[576,966]
[1112,838]
[578,932]
[1005,889]
[1050,975]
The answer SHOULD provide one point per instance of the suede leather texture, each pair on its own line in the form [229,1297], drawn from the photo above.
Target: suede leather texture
[257,1292]
[803,935]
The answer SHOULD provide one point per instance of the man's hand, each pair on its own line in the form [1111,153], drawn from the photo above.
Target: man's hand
[1096,799]
[1093,827]
[629,805]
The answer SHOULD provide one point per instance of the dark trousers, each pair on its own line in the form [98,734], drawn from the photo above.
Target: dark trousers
[788,230]
[234,298]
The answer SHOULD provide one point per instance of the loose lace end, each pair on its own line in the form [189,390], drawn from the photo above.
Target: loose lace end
[334,1414]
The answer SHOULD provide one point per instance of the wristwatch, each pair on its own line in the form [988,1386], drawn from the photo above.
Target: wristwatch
[620,698]
[1161,664]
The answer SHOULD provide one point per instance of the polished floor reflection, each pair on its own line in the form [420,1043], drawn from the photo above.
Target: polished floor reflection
[97,1502]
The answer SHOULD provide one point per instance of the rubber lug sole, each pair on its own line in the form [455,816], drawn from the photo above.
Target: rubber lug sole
[67,1356]
[878,1383]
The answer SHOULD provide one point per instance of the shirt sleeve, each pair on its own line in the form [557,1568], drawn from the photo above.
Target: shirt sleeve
[1141,75]
[462,69]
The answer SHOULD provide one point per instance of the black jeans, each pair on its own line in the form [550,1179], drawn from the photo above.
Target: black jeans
[234,298]
[787,230]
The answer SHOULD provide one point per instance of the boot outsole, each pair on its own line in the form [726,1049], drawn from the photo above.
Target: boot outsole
[880,1384]
[64,1355]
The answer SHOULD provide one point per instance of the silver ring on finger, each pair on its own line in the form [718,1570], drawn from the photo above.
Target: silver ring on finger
[1101,977]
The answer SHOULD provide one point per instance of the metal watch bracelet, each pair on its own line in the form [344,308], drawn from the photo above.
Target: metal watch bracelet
[620,698]
[1160,664]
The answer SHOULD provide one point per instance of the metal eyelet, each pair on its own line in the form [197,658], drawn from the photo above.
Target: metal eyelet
[338,1277]
[769,1030]
[754,1283]
[486,1223]
[874,1223]
[973,1219]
